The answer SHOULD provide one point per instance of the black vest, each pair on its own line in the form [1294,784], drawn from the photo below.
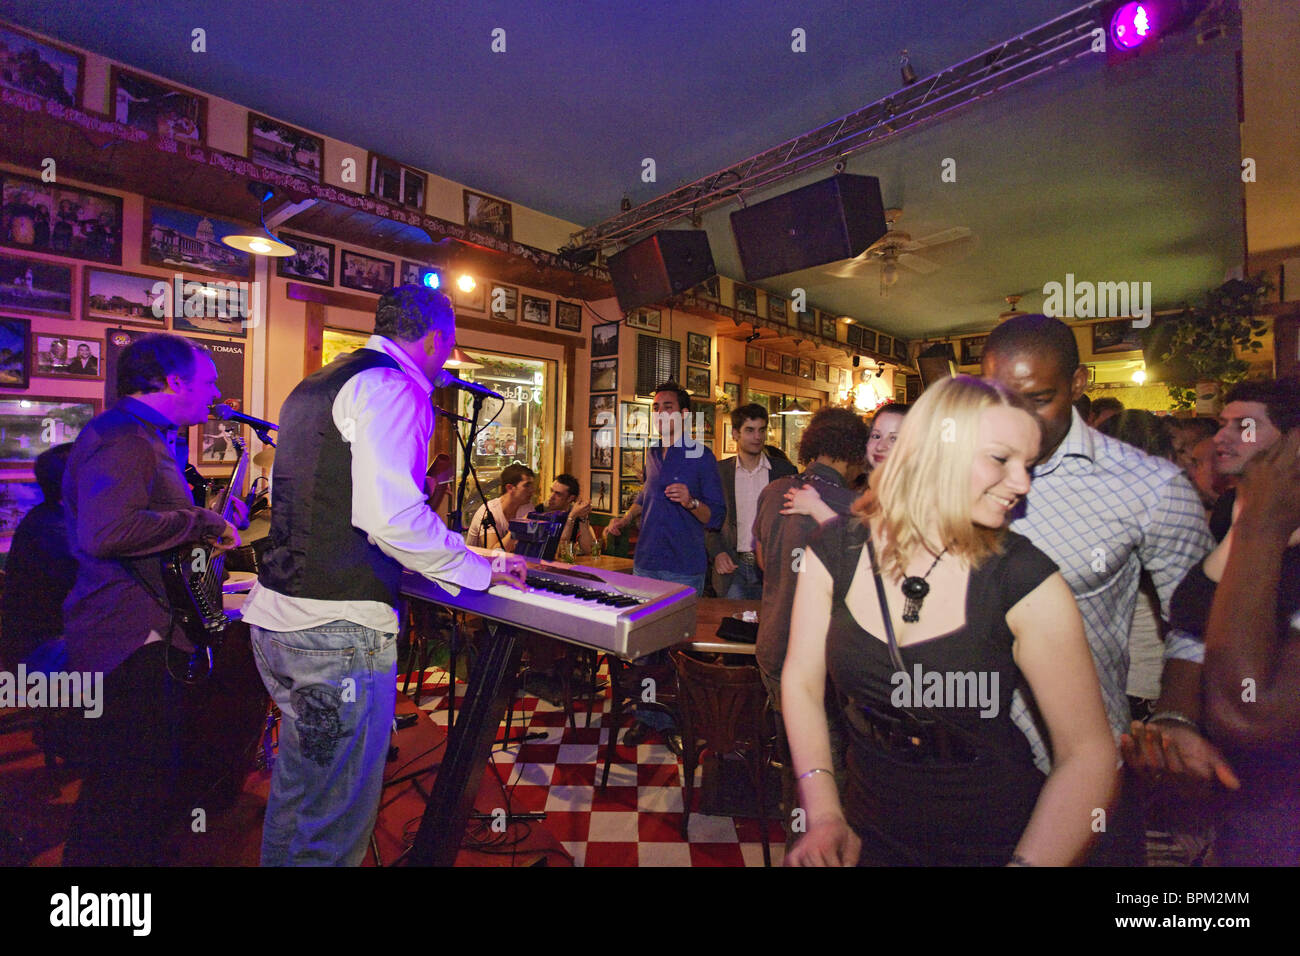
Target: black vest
[315,551]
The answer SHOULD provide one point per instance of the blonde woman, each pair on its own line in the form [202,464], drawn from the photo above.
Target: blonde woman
[938,775]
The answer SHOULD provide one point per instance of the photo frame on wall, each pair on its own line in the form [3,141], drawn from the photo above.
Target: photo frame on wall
[772,361]
[789,365]
[474,299]
[634,424]
[708,289]
[806,368]
[52,72]
[488,214]
[602,448]
[627,492]
[285,148]
[125,298]
[68,356]
[16,355]
[336,342]
[35,286]
[972,349]
[632,463]
[181,240]
[395,183]
[1118,336]
[568,316]
[884,344]
[746,299]
[604,375]
[754,356]
[699,349]
[215,444]
[853,336]
[37,216]
[807,321]
[503,302]
[602,491]
[822,371]
[604,339]
[312,261]
[33,424]
[776,308]
[900,349]
[647,319]
[697,381]
[366,273]
[157,108]
[828,325]
[603,411]
[536,311]
[868,340]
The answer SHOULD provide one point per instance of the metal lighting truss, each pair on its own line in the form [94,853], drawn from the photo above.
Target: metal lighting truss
[1043,48]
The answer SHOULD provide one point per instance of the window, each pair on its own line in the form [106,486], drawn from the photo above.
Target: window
[657,361]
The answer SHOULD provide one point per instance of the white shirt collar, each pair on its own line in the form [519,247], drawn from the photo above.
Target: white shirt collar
[381,344]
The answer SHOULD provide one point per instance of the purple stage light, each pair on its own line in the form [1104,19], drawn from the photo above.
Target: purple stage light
[1132,25]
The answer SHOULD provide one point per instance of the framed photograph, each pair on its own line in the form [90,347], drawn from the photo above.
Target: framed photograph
[475,299]
[822,371]
[30,424]
[191,242]
[789,365]
[536,311]
[503,301]
[699,349]
[40,68]
[157,108]
[17,497]
[59,220]
[828,324]
[732,391]
[772,361]
[648,319]
[853,335]
[806,368]
[392,182]
[604,375]
[1119,336]
[215,445]
[602,491]
[705,417]
[697,381]
[972,350]
[603,411]
[627,492]
[365,273]
[833,375]
[900,349]
[868,340]
[754,356]
[746,299]
[125,298]
[568,316]
[213,307]
[336,342]
[808,321]
[777,308]
[69,356]
[35,286]
[15,352]
[632,464]
[708,289]
[488,214]
[413,273]
[312,262]
[884,344]
[604,339]
[285,149]
[602,448]
[729,446]
[634,424]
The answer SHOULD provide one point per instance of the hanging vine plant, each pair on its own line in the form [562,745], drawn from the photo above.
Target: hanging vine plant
[1205,339]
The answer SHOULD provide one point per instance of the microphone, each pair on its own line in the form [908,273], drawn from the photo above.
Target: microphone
[445,379]
[228,414]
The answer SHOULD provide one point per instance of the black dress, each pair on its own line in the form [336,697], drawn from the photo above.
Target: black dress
[914,806]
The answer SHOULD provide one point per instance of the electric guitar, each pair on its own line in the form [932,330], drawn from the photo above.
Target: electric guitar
[193,574]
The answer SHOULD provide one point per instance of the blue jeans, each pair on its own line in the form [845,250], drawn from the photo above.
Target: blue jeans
[746,583]
[336,687]
[658,719]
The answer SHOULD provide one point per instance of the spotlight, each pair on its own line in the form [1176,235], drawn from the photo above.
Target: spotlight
[752,337]
[431,279]
[905,69]
[466,282]
[265,244]
[1132,25]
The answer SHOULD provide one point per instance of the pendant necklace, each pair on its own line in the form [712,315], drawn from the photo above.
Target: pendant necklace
[914,590]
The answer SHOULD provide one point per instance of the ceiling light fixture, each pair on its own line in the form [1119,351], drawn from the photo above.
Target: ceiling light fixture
[260,245]
[459,358]
[905,69]
[466,283]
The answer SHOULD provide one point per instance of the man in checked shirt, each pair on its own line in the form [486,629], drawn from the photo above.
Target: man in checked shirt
[1103,511]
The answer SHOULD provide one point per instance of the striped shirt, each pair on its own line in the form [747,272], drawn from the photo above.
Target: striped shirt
[1104,510]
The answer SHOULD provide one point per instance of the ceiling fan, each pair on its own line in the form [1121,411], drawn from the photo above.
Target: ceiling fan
[898,250]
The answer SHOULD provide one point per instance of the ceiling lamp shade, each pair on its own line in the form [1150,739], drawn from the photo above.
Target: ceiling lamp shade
[796,408]
[263,243]
[459,358]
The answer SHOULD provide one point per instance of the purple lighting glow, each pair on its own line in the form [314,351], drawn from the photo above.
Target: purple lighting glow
[1132,25]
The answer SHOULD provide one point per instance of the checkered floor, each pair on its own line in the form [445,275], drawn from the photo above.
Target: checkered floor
[636,820]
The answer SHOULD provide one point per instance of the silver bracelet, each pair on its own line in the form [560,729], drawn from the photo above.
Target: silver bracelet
[809,773]
[1174,717]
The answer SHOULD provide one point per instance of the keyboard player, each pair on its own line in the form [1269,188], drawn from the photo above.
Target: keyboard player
[349,514]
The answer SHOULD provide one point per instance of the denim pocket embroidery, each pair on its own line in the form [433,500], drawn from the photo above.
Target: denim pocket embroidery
[319,725]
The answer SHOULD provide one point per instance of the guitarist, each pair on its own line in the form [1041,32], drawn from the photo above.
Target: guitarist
[349,512]
[127,503]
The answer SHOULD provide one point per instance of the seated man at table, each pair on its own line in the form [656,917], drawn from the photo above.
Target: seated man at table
[518,482]
[566,497]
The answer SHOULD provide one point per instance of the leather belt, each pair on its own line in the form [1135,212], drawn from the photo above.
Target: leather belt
[746,557]
[909,738]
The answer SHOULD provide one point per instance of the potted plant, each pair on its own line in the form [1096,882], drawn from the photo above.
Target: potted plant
[1200,345]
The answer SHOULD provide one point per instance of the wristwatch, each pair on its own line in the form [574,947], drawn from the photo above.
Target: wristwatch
[695,503]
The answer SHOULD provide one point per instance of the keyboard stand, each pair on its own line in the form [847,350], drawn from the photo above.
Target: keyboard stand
[487,698]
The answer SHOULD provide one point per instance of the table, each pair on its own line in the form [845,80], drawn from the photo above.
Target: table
[709,613]
[606,562]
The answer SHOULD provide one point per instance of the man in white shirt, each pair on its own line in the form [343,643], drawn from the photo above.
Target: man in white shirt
[518,483]
[349,514]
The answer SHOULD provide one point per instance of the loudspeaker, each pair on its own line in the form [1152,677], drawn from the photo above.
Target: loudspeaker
[669,262]
[827,221]
[936,362]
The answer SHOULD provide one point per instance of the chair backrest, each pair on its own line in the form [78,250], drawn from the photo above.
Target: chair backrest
[720,704]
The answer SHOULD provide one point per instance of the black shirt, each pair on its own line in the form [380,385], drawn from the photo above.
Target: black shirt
[38,576]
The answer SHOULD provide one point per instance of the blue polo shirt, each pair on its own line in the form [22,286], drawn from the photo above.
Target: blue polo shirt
[671,538]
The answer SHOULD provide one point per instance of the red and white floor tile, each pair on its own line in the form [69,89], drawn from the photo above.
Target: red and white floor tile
[636,820]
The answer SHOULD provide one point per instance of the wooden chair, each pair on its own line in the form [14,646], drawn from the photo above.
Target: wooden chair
[722,711]
[626,681]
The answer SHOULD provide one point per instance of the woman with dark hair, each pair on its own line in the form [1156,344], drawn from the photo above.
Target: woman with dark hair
[885,423]
[937,772]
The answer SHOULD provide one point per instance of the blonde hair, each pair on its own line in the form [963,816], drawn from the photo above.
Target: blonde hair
[926,480]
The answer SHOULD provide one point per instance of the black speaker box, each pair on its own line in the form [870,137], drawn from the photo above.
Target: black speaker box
[823,222]
[669,262]
[936,362]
